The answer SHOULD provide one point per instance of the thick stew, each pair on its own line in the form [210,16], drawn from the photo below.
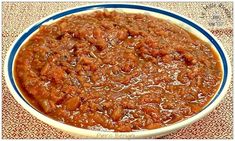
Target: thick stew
[114,71]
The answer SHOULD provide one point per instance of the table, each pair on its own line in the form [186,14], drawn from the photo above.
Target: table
[17,123]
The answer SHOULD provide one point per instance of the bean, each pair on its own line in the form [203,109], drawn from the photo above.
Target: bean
[72,103]
[117,113]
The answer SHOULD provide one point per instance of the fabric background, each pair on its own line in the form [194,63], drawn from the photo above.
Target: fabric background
[17,123]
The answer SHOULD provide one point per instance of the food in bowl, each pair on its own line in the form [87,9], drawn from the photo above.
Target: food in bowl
[114,71]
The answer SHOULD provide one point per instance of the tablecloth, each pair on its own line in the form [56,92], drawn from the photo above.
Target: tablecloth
[17,123]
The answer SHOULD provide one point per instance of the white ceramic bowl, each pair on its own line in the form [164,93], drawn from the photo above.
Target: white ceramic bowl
[173,17]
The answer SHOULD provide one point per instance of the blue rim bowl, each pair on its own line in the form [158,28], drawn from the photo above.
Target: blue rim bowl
[173,17]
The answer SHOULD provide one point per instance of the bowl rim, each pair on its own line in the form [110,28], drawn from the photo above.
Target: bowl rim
[107,134]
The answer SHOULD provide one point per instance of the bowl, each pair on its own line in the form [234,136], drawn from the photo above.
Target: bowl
[170,16]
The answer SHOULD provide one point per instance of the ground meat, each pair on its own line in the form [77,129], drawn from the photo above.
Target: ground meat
[117,71]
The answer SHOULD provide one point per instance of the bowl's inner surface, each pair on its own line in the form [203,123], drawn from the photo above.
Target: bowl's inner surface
[117,71]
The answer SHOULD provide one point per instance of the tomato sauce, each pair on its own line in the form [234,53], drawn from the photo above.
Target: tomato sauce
[117,71]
